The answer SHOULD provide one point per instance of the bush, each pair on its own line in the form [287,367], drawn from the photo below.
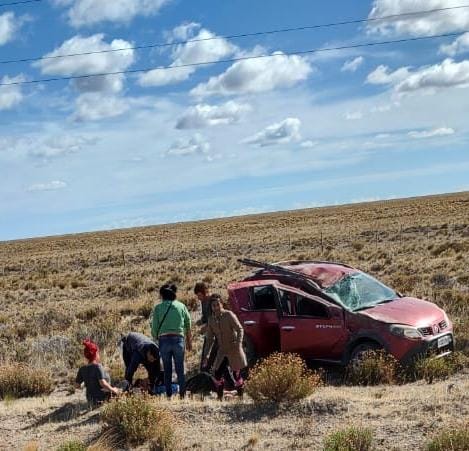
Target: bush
[432,369]
[354,438]
[139,419]
[451,440]
[281,378]
[21,381]
[373,368]
[72,445]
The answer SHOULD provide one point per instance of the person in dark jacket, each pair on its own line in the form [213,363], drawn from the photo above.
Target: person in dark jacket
[201,290]
[138,349]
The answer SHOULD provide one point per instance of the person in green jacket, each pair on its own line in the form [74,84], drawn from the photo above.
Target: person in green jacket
[171,326]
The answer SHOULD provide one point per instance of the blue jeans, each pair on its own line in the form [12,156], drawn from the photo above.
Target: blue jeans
[173,347]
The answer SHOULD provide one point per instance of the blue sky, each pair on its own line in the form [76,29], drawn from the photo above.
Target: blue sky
[230,138]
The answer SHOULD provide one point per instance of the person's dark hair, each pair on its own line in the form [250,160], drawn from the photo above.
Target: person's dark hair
[168,291]
[215,298]
[200,287]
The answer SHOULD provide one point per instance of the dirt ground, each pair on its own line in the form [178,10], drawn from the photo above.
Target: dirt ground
[403,418]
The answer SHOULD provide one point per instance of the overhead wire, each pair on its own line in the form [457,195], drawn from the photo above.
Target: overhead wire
[237,36]
[19,2]
[237,59]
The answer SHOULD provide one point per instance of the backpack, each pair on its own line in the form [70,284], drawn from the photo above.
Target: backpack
[202,384]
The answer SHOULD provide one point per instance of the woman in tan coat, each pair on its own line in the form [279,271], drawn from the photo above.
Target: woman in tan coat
[224,326]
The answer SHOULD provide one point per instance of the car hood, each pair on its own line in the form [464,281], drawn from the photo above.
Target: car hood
[406,310]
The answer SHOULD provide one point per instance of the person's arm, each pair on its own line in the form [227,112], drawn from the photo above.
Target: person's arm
[135,361]
[155,323]
[209,339]
[78,379]
[237,327]
[187,327]
[105,385]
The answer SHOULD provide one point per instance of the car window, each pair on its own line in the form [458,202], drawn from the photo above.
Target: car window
[310,307]
[263,298]
[359,290]
[286,301]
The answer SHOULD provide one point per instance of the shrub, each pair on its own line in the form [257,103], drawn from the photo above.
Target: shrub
[18,380]
[281,378]
[139,419]
[353,438]
[451,440]
[373,368]
[432,369]
[72,445]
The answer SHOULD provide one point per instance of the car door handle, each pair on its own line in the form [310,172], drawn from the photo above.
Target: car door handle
[288,328]
[249,323]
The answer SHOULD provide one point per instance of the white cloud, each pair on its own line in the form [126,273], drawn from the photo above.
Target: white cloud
[10,96]
[205,49]
[90,64]
[279,133]
[442,131]
[417,25]
[382,75]
[257,75]
[204,115]
[308,144]
[8,27]
[49,186]
[192,146]
[352,65]
[89,12]
[93,106]
[56,146]
[447,74]
[459,45]
[353,115]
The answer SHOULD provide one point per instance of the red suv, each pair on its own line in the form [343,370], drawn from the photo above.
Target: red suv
[332,312]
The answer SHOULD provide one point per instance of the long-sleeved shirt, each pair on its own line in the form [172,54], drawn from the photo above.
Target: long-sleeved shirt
[135,347]
[176,321]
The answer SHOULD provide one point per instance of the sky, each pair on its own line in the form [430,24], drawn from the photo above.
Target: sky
[227,138]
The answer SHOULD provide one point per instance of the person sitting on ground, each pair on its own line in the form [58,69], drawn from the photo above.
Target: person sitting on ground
[171,325]
[201,290]
[95,378]
[225,327]
[138,349]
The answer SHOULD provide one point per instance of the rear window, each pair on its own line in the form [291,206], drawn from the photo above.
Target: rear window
[263,298]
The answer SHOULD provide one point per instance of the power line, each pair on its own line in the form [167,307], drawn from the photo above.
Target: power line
[234,60]
[237,36]
[23,2]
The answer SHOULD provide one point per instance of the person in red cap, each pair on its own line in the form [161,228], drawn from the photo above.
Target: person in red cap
[93,375]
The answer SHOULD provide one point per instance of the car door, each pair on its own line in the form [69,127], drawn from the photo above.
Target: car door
[258,315]
[314,328]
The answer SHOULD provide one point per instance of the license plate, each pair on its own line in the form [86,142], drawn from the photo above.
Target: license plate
[444,341]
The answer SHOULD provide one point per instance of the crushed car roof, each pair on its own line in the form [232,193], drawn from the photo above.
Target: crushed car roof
[323,273]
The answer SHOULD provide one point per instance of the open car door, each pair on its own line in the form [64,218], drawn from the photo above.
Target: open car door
[310,326]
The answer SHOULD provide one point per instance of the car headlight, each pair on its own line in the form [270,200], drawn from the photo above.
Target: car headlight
[405,331]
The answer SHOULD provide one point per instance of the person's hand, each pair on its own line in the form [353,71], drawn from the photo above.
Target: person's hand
[204,363]
[116,391]
[189,345]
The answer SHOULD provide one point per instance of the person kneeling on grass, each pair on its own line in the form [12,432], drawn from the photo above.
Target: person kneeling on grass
[95,378]
[224,327]
[138,349]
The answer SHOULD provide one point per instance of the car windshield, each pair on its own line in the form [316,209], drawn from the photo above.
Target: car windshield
[358,291]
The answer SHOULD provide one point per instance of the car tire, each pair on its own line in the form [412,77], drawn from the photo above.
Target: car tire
[360,350]
[250,351]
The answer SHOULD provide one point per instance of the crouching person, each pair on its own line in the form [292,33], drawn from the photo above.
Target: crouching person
[138,349]
[224,327]
[95,378]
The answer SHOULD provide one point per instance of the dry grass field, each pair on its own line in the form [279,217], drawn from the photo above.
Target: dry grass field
[55,291]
